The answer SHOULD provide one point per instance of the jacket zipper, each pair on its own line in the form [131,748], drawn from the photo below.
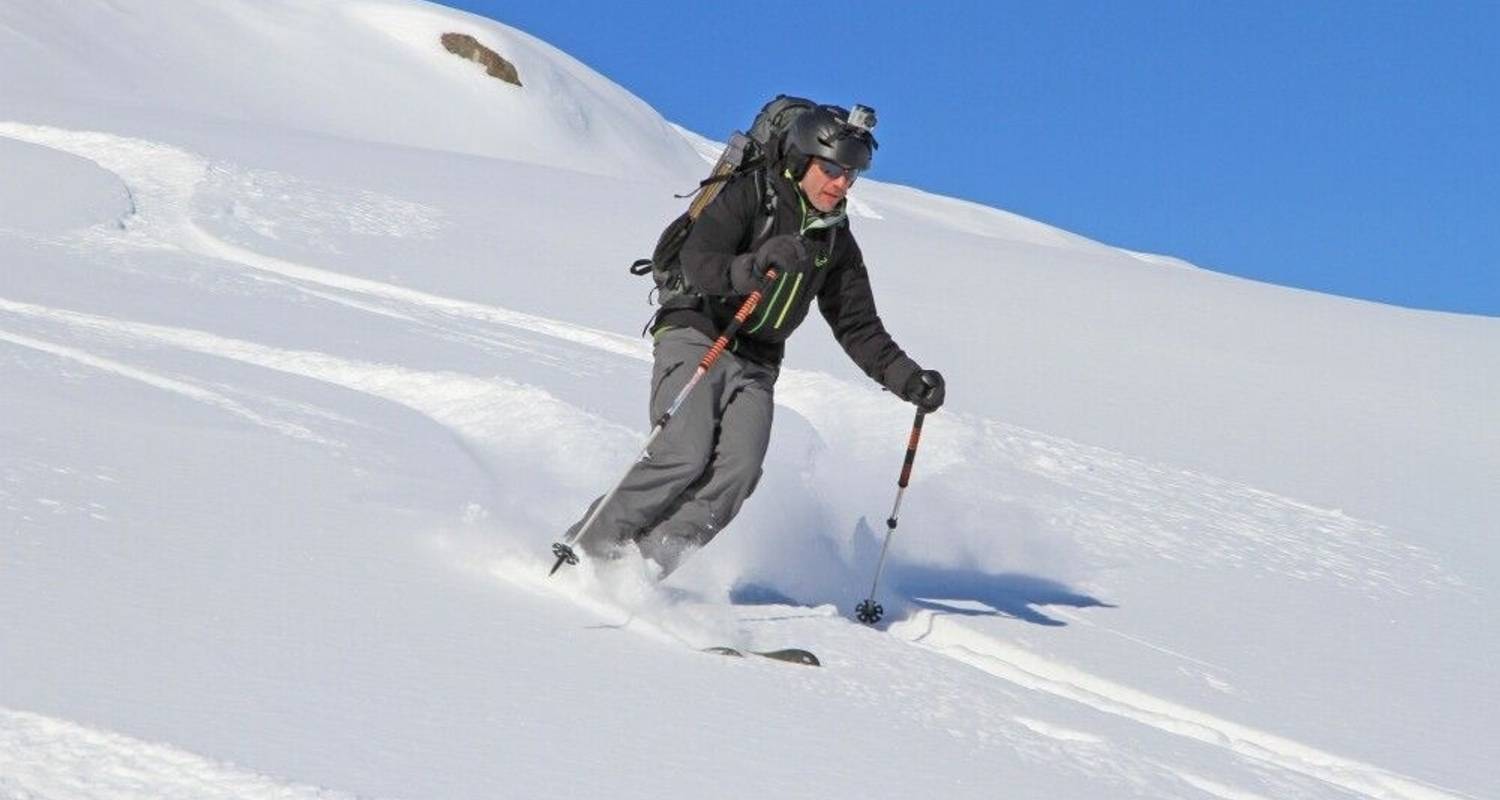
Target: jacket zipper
[796,285]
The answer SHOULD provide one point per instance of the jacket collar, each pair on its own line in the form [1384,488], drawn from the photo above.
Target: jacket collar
[810,218]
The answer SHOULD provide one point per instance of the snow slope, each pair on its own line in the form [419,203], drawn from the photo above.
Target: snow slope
[303,329]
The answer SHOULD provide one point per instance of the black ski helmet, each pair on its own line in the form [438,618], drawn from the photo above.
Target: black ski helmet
[828,132]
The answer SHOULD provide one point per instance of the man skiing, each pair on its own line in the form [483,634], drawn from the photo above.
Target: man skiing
[708,462]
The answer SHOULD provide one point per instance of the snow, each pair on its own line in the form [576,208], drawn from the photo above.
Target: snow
[313,338]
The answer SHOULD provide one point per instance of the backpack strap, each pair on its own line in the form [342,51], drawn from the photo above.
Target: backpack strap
[768,202]
[754,163]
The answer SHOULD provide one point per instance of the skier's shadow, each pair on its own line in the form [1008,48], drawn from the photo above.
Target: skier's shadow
[965,592]
[905,587]
[974,593]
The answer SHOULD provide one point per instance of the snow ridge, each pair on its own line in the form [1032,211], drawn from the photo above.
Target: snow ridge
[48,759]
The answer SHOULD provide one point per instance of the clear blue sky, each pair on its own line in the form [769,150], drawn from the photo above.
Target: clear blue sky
[1351,148]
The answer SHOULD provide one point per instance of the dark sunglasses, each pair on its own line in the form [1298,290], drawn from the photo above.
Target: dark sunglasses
[834,170]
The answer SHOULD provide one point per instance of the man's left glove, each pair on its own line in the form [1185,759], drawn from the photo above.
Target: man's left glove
[925,389]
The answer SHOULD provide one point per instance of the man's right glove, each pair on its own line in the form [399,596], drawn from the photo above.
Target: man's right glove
[925,389]
[786,253]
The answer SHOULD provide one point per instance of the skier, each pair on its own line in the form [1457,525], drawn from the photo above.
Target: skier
[700,472]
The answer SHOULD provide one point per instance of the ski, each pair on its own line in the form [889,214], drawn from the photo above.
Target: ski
[791,655]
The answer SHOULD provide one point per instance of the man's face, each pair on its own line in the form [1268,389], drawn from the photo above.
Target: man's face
[823,192]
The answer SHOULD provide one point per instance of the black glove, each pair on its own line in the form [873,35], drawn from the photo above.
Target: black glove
[925,389]
[786,253]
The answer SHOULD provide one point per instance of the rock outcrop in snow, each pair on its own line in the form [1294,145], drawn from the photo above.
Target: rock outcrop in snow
[465,46]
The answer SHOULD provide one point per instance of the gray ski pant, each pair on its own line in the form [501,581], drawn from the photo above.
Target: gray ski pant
[703,465]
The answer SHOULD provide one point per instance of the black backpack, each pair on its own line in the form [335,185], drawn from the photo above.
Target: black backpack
[754,153]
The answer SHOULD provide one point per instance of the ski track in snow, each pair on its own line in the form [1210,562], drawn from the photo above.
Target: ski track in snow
[1224,520]
[48,759]
[1201,520]
[1021,667]
[188,390]
[490,411]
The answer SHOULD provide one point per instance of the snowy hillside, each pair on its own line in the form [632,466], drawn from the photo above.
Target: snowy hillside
[313,336]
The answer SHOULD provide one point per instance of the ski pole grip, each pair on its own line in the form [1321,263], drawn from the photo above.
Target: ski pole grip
[713,354]
[746,308]
[911,449]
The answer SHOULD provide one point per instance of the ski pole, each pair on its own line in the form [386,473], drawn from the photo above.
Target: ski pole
[869,611]
[564,549]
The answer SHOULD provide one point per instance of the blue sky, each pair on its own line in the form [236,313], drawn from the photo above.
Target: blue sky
[1343,147]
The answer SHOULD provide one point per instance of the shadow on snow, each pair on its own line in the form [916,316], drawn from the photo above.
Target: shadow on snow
[964,592]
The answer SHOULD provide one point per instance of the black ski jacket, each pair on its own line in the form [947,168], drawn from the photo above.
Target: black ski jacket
[734,224]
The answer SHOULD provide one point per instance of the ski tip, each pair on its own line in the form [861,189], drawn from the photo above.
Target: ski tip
[791,655]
